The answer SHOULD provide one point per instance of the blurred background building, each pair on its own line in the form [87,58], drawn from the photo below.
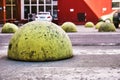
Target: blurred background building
[78,11]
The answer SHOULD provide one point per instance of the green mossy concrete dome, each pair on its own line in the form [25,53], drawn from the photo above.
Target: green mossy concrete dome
[40,41]
[107,27]
[9,28]
[97,26]
[89,24]
[69,27]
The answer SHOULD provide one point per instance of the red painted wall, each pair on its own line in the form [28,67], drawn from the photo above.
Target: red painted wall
[1,11]
[93,9]
[97,6]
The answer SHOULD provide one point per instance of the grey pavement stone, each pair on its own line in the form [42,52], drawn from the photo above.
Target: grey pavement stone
[84,36]
[63,73]
[100,62]
[88,63]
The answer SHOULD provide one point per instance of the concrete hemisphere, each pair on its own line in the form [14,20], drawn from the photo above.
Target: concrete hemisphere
[40,41]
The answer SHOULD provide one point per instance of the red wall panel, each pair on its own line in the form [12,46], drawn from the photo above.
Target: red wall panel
[64,7]
[1,11]
[98,6]
[93,9]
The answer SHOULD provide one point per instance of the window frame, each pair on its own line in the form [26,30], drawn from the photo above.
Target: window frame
[44,7]
[114,6]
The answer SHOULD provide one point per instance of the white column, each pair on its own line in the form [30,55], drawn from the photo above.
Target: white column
[44,5]
[11,9]
[52,7]
[37,6]
[22,9]
[30,7]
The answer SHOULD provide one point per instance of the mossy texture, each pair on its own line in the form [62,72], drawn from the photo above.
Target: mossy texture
[69,27]
[107,27]
[9,28]
[40,41]
[89,25]
[97,26]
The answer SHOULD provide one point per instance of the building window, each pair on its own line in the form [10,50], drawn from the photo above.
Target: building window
[35,6]
[116,4]
[41,8]
[48,1]
[55,15]
[10,9]
[26,11]
[33,1]
[26,1]
[41,1]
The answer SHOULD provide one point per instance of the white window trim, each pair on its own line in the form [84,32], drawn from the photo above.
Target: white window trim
[22,9]
[115,0]
[53,3]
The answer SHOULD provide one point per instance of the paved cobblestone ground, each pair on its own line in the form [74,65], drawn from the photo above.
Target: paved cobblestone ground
[88,63]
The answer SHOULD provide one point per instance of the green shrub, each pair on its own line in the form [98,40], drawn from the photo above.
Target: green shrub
[107,27]
[97,26]
[89,24]
[69,27]
[9,28]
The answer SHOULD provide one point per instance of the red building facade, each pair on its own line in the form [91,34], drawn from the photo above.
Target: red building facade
[77,11]
[81,11]
[2,11]
[10,11]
